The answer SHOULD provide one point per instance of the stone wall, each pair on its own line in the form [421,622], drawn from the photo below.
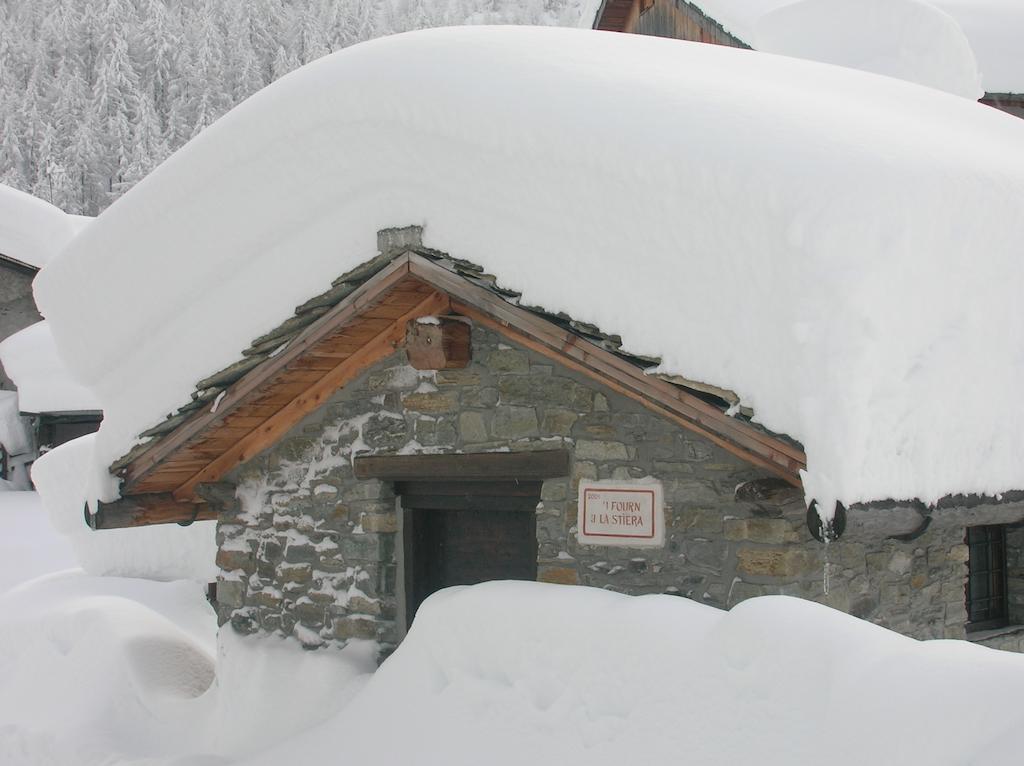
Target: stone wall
[17,307]
[309,551]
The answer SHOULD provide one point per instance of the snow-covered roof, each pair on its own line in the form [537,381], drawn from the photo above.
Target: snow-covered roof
[31,230]
[833,246]
[44,384]
[816,30]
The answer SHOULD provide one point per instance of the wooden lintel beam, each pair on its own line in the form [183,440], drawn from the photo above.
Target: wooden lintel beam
[145,510]
[381,346]
[477,466]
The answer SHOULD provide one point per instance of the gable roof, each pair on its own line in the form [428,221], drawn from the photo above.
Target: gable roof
[288,373]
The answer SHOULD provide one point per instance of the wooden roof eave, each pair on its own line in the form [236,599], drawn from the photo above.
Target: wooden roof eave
[448,291]
[202,421]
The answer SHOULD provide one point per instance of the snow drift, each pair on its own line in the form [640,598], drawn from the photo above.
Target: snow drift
[841,249]
[512,673]
[101,670]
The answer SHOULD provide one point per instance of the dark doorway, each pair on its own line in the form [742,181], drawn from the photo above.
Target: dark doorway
[466,532]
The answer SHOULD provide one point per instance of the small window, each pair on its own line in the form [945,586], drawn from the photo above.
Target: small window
[986,578]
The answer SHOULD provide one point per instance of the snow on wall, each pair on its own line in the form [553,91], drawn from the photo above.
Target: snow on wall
[67,478]
[31,230]
[908,39]
[839,248]
[44,384]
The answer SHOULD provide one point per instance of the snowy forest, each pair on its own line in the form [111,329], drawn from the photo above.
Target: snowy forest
[96,93]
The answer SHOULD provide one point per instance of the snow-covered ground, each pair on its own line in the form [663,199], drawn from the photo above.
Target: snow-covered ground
[109,671]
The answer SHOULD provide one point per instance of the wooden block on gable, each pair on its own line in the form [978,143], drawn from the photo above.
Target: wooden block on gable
[438,343]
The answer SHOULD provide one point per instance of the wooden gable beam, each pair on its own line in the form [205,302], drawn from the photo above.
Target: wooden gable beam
[361,298]
[381,346]
[568,349]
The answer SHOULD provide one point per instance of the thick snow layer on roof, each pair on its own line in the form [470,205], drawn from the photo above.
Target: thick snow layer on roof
[44,384]
[31,230]
[69,476]
[908,39]
[841,249]
[992,27]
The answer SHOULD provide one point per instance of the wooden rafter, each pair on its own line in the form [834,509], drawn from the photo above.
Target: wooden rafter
[381,346]
[366,327]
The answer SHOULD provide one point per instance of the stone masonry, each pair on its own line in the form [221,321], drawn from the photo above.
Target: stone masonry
[308,551]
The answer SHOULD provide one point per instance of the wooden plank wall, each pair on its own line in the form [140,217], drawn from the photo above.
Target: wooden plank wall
[681,21]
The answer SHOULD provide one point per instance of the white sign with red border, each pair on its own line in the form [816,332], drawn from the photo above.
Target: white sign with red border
[623,513]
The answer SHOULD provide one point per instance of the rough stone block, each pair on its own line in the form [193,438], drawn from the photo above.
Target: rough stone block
[472,427]
[431,402]
[385,430]
[355,627]
[559,575]
[295,573]
[480,397]
[959,554]
[300,553]
[379,522]
[230,593]
[774,562]
[558,421]
[465,377]
[508,360]
[514,422]
[361,605]
[758,530]
[587,449]
[230,560]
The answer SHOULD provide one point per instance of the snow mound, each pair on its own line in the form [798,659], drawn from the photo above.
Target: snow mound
[33,231]
[908,39]
[44,384]
[834,246]
[512,673]
[99,670]
[67,479]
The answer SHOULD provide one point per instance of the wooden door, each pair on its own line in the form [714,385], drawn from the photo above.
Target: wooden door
[463,533]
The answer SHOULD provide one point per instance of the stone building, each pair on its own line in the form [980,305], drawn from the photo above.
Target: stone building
[414,427]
